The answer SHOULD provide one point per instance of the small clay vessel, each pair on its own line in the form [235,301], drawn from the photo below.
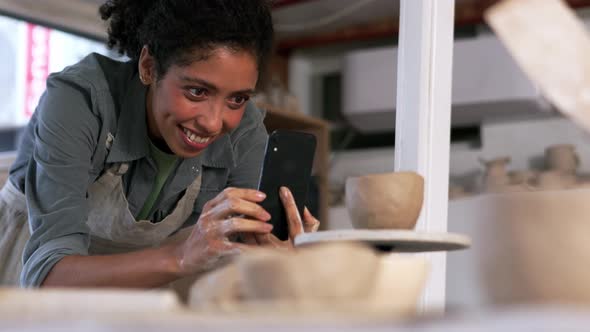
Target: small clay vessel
[495,174]
[523,177]
[457,191]
[555,180]
[562,158]
[385,201]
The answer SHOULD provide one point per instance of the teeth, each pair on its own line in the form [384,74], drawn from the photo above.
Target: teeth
[195,138]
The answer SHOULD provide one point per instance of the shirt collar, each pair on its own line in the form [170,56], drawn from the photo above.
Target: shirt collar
[131,139]
[220,153]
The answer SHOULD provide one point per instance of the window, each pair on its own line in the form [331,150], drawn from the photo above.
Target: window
[29,53]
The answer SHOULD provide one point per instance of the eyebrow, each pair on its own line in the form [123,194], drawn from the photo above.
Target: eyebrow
[212,86]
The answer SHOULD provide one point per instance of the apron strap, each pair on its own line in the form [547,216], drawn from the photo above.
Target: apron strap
[118,169]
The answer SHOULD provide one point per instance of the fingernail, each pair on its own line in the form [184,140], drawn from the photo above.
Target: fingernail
[266,216]
[284,192]
[260,194]
[268,226]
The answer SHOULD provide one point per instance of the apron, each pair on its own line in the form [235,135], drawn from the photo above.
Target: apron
[113,229]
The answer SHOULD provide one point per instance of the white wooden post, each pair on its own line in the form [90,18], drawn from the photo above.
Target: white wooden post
[423,118]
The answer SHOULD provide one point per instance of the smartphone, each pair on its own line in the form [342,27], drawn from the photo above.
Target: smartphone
[287,162]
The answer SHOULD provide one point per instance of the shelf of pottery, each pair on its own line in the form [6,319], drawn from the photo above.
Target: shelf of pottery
[560,172]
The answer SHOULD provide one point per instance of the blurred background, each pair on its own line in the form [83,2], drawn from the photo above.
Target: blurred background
[334,74]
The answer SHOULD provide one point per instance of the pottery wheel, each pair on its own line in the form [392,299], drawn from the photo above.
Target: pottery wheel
[390,240]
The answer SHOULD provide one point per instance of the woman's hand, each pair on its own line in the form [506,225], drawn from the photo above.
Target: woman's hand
[231,212]
[295,223]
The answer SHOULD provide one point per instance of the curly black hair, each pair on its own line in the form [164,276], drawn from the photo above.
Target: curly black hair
[174,29]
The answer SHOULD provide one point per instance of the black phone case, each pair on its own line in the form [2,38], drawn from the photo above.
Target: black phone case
[288,162]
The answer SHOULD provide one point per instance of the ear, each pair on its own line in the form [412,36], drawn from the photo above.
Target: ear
[146,66]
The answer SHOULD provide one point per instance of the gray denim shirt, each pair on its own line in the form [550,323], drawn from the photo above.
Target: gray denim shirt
[63,151]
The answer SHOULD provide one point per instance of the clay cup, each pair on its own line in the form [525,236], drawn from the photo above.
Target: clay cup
[385,201]
[562,158]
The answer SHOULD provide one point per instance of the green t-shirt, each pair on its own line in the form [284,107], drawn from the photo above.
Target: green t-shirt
[165,163]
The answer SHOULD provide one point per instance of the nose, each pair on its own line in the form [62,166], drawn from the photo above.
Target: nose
[211,121]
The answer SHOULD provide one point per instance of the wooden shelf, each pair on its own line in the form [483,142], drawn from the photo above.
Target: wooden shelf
[281,119]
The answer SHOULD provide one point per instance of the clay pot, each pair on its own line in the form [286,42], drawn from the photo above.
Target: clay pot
[562,158]
[534,246]
[555,180]
[343,278]
[216,287]
[512,188]
[339,271]
[495,174]
[385,201]
[456,191]
[524,177]
[402,275]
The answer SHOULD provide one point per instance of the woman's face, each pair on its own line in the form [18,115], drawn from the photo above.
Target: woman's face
[192,106]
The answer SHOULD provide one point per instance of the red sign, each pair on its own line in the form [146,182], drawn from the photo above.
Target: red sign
[37,67]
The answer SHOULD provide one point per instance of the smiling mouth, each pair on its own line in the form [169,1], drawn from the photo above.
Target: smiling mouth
[194,137]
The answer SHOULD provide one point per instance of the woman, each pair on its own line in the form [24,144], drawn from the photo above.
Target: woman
[120,156]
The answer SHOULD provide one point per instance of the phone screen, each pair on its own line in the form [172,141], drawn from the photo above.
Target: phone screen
[288,162]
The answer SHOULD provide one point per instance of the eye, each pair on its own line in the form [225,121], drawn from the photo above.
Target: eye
[238,101]
[197,92]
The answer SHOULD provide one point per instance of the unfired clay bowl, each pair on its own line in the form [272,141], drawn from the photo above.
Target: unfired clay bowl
[533,246]
[385,201]
[268,276]
[347,279]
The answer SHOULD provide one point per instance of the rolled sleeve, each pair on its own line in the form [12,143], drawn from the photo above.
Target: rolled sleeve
[41,260]
[64,132]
